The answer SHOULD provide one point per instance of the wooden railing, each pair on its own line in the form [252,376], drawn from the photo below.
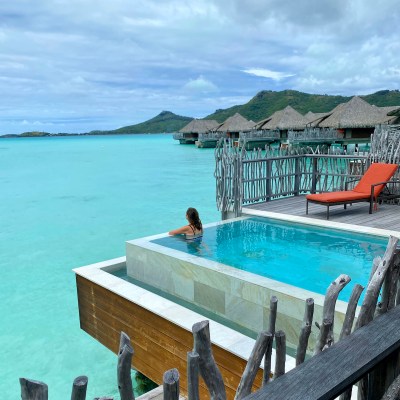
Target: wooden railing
[314,135]
[212,136]
[178,136]
[264,134]
[250,177]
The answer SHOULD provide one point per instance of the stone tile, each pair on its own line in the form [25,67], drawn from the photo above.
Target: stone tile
[209,297]
[244,313]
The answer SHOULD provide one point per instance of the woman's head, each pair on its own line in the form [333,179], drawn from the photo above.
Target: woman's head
[192,216]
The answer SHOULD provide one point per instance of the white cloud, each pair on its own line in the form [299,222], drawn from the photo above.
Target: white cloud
[201,85]
[267,73]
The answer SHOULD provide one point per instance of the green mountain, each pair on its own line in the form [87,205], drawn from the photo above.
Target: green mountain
[165,122]
[265,103]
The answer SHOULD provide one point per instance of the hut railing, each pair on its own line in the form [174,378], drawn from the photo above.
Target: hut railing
[212,136]
[178,136]
[314,134]
[262,134]
[250,177]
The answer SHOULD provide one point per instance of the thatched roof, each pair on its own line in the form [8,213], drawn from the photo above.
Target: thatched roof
[199,126]
[236,123]
[285,119]
[356,113]
[314,118]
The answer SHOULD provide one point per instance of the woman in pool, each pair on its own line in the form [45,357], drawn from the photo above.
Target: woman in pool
[195,228]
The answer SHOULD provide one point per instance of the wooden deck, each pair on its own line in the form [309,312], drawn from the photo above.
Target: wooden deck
[386,217]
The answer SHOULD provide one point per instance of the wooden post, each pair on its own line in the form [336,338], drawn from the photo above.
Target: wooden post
[33,390]
[193,375]
[305,332]
[297,176]
[351,311]
[273,305]
[280,349]
[369,304]
[125,355]
[324,336]
[328,311]
[314,175]
[208,368]
[79,388]
[171,385]
[389,290]
[264,340]
[268,185]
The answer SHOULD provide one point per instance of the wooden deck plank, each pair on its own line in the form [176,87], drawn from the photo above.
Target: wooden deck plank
[386,217]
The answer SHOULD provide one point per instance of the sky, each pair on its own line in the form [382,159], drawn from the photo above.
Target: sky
[80,65]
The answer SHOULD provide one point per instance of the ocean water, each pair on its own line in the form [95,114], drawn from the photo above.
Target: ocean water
[71,201]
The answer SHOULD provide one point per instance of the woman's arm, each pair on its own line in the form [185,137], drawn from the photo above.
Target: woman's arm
[180,231]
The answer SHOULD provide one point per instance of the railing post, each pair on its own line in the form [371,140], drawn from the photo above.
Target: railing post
[296,176]
[314,175]
[268,171]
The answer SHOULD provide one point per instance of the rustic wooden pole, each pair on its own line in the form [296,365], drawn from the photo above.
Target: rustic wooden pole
[125,355]
[305,332]
[268,354]
[264,340]
[371,296]
[208,368]
[193,375]
[33,390]
[79,388]
[328,312]
[171,385]
[389,289]
[323,337]
[280,348]
[273,306]
[351,311]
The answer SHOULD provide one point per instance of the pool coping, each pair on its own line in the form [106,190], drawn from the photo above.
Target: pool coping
[322,223]
[224,337]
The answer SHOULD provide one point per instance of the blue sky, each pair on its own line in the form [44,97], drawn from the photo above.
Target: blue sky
[79,65]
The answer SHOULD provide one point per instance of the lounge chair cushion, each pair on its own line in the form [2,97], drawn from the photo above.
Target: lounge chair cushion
[337,197]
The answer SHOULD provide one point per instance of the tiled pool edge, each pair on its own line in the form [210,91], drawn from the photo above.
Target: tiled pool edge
[222,336]
[320,223]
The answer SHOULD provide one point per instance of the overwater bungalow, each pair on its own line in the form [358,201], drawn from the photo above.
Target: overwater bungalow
[355,120]
[283,121]
[230,128]
[190,133]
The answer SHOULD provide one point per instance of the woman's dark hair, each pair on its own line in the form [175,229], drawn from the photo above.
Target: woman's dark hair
[194,219]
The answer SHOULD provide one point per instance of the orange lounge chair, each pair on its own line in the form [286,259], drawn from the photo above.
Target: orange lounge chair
[368,189]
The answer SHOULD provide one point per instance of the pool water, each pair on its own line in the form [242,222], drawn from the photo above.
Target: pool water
[297,254]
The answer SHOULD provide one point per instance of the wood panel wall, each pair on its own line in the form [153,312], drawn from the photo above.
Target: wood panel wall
[158,344]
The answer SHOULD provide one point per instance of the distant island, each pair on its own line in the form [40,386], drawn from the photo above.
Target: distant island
[262,105]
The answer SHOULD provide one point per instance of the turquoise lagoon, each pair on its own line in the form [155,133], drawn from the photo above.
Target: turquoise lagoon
[72,201]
